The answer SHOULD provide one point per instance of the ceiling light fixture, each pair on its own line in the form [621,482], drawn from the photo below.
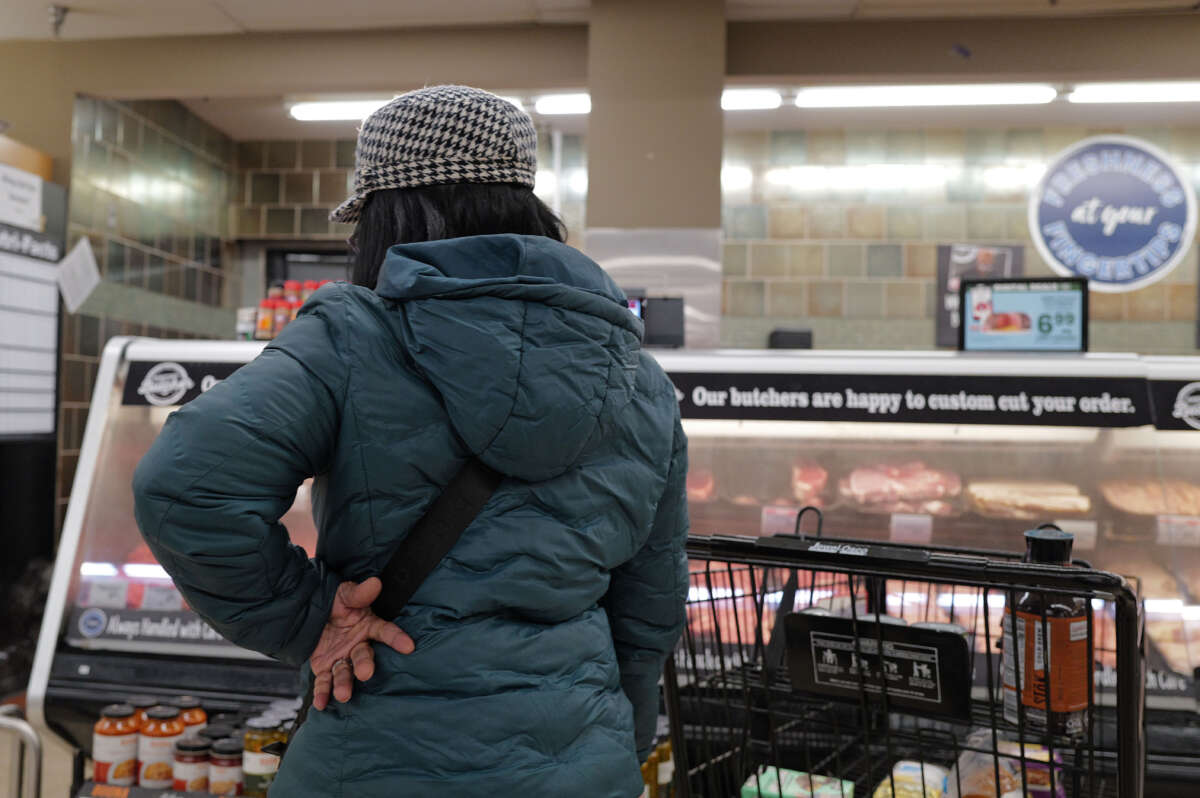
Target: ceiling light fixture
[563,104]
[911,96]
[736,178]
[750,99]
[336,110]
[1165,92]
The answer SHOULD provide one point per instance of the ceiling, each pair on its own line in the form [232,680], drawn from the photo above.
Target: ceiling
[98,19]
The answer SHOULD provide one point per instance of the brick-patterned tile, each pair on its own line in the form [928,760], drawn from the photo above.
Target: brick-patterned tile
[1181,302]
[744,297]
[787,221]
[768,260]
[734,259]
[807,260]
[905,299]
[864,300]
[904,222]
[1106,307]
[826,221]
[864,221]
[1148,304]
[787,298]
[825,298]
[920,260]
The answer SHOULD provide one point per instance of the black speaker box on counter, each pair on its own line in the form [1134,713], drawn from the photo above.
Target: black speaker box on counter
[664,321]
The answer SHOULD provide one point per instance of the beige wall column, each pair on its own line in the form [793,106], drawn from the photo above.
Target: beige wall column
[655,73]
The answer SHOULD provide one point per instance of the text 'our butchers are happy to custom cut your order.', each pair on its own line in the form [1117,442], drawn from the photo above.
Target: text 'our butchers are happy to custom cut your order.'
[891,403]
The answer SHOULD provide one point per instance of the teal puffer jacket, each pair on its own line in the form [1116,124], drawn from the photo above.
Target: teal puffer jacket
[541,636]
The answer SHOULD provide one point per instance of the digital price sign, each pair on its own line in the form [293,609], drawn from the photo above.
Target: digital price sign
[1023,315]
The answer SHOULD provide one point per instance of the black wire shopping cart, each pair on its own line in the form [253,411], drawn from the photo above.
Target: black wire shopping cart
[834,664]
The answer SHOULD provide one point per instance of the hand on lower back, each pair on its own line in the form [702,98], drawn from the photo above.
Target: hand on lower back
[348,635]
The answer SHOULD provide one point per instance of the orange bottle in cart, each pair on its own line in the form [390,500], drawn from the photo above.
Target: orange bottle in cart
[115,746]
[283,314]
[1052,662]
[291,291]
[156,747]
[264,324]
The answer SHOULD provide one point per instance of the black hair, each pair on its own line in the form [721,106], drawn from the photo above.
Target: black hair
[428,213]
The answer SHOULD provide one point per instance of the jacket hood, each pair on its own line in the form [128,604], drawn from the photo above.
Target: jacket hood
[525,338]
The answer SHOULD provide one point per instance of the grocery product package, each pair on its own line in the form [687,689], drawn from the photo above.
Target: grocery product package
[912,779]
[974,775]
[773,782]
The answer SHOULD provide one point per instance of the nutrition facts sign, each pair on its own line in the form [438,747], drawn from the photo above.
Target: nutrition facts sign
[1114,210]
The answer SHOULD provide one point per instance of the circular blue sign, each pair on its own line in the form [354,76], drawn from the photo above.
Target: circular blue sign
[92,622]
[1115,210]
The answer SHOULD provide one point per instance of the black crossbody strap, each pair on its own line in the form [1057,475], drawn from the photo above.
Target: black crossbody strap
[434,535]
[429,541]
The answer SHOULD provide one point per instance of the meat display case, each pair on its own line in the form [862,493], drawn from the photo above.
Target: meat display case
[934,448]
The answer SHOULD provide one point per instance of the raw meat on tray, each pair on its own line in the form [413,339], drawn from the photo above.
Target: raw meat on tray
[809,481]
[911,487]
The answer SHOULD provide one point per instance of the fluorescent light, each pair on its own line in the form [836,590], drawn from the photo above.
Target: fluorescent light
[545,182]
[577,181]
[138,570]
[907,96]
[956,600]
[1012,178]
[556,104]
[336,110]
[97,569]
[750,99]
[1163,606]
[736,178]
[1166,92]
[865,177]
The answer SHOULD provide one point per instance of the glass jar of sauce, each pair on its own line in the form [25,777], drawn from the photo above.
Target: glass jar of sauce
[225,767]
[140,704]
[115,746]
[193,715]
[156,747]
[191,765]
[259,767]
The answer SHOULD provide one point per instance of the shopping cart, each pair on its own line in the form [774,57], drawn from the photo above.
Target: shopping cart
[779,671]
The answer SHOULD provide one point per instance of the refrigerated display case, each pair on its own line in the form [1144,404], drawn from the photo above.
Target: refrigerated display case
[940,449]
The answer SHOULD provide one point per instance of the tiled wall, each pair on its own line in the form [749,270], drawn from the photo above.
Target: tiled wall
[284,190]
[150,188]
[838,231]
[149,184]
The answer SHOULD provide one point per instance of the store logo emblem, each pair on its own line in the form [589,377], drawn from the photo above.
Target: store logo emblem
[165,384]
[834,548]
[1115,210]
[1187,405]
[92,622]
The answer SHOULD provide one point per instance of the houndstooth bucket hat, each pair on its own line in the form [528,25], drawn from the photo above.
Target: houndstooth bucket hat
[439,135]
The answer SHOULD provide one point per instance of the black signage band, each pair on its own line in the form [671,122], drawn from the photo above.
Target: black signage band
[929,399]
